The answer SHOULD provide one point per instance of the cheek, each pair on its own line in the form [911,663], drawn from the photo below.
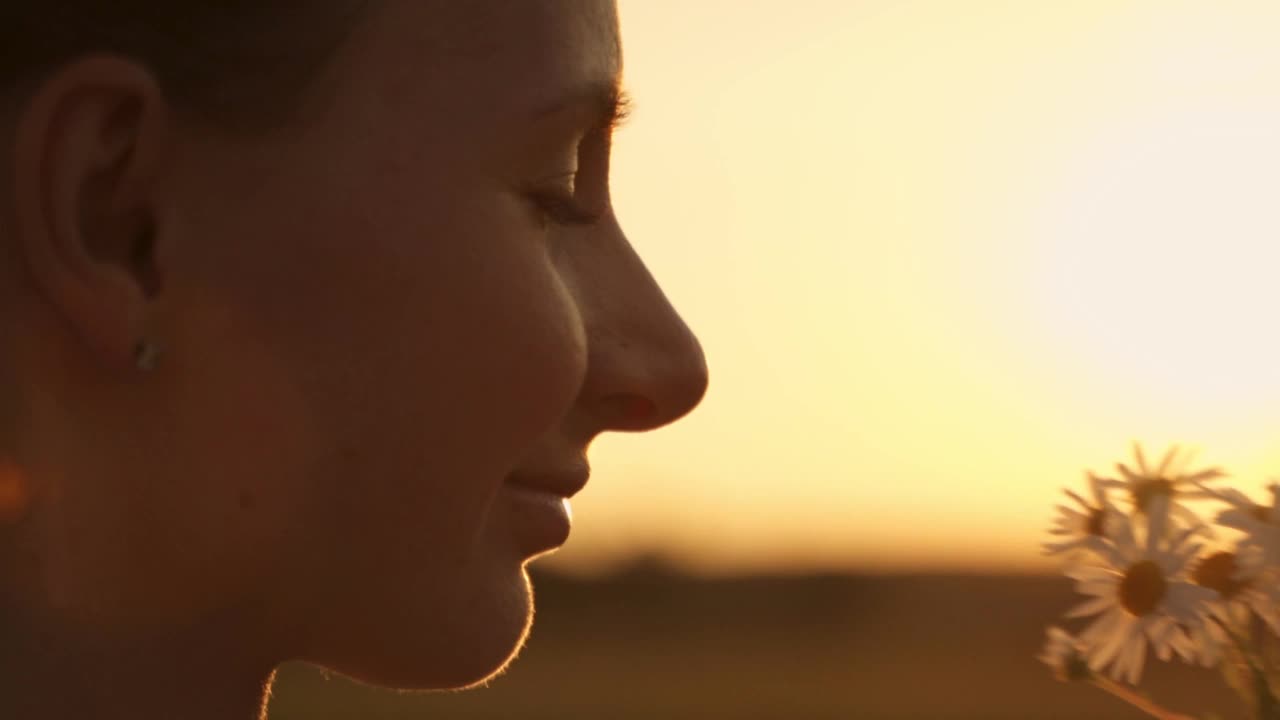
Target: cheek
[235,428]
[430,344]
[407,341]
[450,332]
[209,482]
[446,355]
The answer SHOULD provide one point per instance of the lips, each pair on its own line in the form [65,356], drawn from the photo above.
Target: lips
[565,482]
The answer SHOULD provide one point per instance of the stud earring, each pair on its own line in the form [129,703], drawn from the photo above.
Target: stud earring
[145,355]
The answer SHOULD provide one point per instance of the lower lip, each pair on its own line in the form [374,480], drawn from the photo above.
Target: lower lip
[541,518]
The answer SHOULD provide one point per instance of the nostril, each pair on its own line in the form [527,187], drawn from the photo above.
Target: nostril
[633,409]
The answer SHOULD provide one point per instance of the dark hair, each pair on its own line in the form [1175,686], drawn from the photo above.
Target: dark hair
[235,64]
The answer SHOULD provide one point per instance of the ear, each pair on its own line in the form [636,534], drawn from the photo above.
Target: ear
[88,150]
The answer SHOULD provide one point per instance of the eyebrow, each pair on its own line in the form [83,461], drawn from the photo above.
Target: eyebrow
[607,104]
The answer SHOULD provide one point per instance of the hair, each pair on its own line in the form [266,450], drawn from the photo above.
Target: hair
[238,65]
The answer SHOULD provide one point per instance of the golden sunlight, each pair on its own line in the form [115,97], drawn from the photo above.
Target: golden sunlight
[943,258]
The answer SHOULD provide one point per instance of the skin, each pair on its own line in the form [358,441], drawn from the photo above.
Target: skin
[366,327]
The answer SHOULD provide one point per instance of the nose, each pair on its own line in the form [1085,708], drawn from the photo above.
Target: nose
[645,367]
[653,383]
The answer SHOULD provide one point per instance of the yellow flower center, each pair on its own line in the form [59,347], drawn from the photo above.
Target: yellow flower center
[1145,490]
[1217,572]
[1142,588]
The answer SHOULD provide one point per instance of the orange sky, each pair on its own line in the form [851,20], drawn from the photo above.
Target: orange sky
[942,257]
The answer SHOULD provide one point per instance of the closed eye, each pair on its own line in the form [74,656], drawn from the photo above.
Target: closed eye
[557,207]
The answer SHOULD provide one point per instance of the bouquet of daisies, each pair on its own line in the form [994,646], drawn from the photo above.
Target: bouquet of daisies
[1157,576]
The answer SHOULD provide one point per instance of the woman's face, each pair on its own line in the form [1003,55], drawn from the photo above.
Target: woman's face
[369,325]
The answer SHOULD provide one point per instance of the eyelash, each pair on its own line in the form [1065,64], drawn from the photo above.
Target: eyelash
[560,209]
[622,110]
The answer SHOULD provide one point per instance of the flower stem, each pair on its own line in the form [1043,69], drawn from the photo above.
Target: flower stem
[1144,704]
[1245,648]
[1264,702]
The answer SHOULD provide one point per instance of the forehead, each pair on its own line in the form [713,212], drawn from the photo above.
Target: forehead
[502,56]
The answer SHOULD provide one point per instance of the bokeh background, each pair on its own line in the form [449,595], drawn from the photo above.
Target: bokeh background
[943,256]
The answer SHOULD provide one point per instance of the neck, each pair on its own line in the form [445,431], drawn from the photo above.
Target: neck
[52,671]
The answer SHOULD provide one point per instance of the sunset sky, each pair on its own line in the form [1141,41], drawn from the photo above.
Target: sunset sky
[943,257]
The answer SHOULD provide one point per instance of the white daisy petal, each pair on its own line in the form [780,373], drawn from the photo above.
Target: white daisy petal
[1109,644]
[1141,458]
[1103,627]
[1179,541]
[1075,496]
[1130,477]
[1069,512]
[1092,572]
[1168,458]
[1182,600]
[1101,588]
[1164,647]
[1231,495]
[1181,560]
[1162,537]
[1091,607]
[1203,475]
[1097,488]
[1112,556]
[1131,637]
[1157,520]
[1190,518]
[1137,656]
[1195,492]
[1123,538]
[1097,544]
[1239,519]
[1079,529]
[1185,645]
[1062,653]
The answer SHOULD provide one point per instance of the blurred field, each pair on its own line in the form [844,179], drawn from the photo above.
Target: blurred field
[649,643]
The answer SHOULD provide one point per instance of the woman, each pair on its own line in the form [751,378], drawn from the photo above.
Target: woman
[311,311]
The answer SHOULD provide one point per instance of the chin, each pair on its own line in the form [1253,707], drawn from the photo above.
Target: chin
[441,651]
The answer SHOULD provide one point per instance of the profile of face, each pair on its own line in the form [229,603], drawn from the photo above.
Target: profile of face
[372,327]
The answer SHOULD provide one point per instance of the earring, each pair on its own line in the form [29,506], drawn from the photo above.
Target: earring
[145,355]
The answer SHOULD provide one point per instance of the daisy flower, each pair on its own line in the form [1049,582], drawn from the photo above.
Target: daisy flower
[1085,528]
[1142,595]
[1246,587]
[1064,654]
[1169,479]
[1259,523]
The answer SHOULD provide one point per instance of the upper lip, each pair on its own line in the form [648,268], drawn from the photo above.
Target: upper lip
[566,481]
